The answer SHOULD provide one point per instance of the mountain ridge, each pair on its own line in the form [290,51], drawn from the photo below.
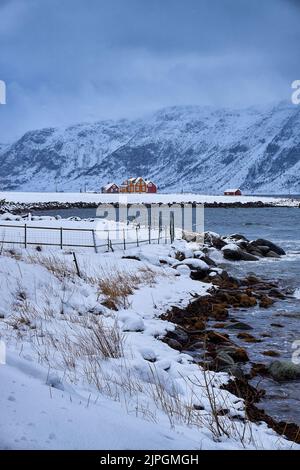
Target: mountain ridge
[188,148]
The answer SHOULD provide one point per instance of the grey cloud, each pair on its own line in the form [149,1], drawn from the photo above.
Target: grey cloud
[75,60]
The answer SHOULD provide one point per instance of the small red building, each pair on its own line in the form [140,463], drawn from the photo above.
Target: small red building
[233,192]
[110,188]
[151,187]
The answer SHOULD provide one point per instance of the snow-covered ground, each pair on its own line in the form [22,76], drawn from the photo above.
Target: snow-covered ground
[32,197]
[85,364]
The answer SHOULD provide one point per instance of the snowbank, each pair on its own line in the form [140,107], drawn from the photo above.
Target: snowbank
[63,389]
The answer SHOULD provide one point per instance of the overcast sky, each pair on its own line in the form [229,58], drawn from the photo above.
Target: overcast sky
[66,61]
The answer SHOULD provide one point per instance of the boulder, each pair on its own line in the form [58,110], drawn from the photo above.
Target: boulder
[246,300]
[219,325]
[179,335]
[266,302]
[233,252]
[236,353]
[248,338]
[183,269]
[245,256]
[271,245]
[173,344]
[239,326]
[263,249]
[271,353]
[259,369]
[208,261]
[133,324]
[148,354]
[276,293]
[188,236]
[239,355]
[179,255]
[199,269]
[199,254]
[216,338]
[219,311]
[194,263]
[272,254]
[242,244]
[284,370]
[214,239]
[238,236]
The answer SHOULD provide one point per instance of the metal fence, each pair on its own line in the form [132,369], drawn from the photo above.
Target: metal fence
[99,240]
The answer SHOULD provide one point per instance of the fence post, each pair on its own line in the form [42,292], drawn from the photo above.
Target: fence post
[172,226]
[124,239]
[159,226]
[76,264]
[61,238]
[108,244]
[149,233]
[137,236]
[25,235]
[94,240]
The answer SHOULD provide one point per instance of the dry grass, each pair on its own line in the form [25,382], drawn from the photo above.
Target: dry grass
[12,253]
[56,266]
[101,340]
[117,285]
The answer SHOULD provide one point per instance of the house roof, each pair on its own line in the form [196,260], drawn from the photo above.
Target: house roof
[109,185]
[133,180]
[232,190]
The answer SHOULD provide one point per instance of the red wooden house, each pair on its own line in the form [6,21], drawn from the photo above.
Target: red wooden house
[151,187]
[131,185]
[137,185]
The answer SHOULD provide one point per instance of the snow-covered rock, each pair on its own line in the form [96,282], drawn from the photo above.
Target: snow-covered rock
[195,263]
[183,269]
[133,324]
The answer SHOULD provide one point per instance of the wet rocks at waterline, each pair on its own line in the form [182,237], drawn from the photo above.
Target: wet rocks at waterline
[208,250]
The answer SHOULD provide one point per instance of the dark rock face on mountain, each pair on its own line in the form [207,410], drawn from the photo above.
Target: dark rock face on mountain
[190,148]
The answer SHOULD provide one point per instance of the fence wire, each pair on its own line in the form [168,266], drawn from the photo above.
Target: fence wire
[27,236]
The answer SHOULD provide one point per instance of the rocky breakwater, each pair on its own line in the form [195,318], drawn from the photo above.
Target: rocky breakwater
[206,327]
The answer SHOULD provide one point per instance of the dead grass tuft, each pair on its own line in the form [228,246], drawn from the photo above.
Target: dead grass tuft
[116,286]
[58,267]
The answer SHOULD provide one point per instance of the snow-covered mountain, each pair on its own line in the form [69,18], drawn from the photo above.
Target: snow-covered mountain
[190,148]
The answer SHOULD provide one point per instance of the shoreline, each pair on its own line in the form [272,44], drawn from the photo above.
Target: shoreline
[199,324]
[20,208]
[18,202]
